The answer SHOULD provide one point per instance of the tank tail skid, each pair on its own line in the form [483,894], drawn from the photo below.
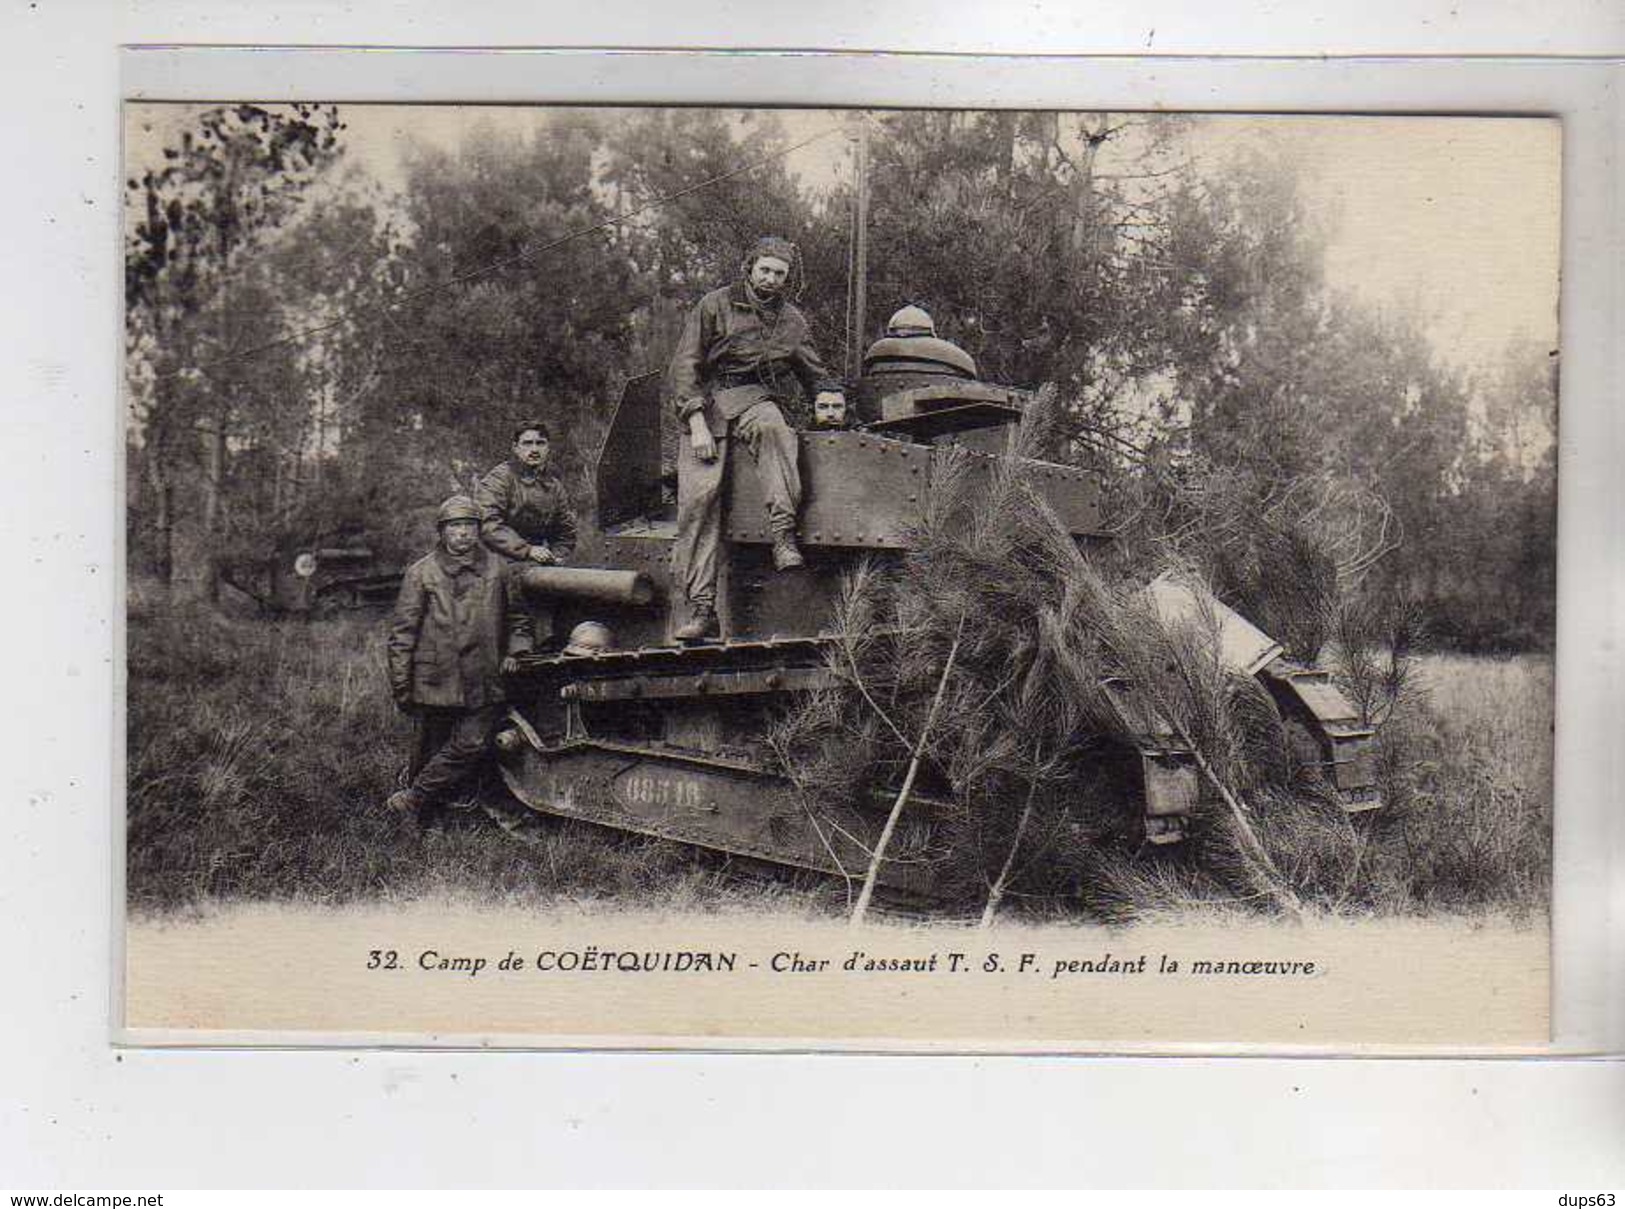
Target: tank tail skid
[1327,729]
[722,804]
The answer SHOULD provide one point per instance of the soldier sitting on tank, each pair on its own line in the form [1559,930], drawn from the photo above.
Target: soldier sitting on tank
[525,513]
[458,624]
[743,353]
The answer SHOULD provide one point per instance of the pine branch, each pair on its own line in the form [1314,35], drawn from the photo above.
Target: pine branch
[873,873]
[996,893]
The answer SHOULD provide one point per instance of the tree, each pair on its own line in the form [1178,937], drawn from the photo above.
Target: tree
[304,464]
[1040,243]
[1323,441]
[191,327]
[512,300]
[726,184]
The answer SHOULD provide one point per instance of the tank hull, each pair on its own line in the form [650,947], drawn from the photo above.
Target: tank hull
[671,742]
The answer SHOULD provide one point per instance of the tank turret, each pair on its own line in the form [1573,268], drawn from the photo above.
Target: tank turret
[922,387]
[908,356]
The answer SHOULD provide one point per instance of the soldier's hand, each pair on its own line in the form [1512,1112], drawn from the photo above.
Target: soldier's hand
[700,438]
[510,665]
[540,553]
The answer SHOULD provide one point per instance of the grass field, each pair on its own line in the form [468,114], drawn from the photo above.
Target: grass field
[259,754]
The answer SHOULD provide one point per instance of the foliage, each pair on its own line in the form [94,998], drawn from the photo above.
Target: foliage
[307,352]
[1024,729]
[200,317]
[508,311]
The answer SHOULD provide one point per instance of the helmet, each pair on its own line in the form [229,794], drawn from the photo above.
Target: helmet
[911,321]
[589,638]
[457,508]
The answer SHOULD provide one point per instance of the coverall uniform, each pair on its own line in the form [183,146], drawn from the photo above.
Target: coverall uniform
[454,621]
[520,508]
[738,358]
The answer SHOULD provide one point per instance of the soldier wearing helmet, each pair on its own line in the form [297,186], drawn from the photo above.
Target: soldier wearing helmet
[457,626]
[744,352]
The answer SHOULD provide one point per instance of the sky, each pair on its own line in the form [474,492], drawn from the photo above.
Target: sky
[1453,219]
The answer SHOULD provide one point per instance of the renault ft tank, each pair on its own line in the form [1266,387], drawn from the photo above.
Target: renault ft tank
[661,739]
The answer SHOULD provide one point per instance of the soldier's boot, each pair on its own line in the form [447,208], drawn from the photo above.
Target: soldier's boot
[702,626]
[786,554]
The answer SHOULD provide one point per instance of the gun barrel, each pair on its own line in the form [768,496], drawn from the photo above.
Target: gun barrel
[588,583]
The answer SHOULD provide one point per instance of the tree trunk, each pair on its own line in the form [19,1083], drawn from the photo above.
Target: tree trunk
[1005,125]
[1084,220]
[213,487]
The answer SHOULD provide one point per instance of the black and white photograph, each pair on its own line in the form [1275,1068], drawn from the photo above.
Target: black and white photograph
[980,579]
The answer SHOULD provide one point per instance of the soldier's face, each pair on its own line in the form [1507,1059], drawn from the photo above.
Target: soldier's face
[460,536]
[768,275]
[532,449]
[829,411]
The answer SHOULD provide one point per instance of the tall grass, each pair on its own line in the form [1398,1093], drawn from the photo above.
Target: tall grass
[1476,828]
[260,754]
[1465,828]
[259,757]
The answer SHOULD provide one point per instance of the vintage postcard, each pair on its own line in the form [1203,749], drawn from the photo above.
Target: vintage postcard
[917,579]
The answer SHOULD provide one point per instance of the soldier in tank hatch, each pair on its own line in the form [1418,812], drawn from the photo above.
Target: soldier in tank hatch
[525,513]
[458,624]
[743,351]
[830,413]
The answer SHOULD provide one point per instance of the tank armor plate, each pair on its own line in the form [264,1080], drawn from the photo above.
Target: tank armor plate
[722,804]
[865,490]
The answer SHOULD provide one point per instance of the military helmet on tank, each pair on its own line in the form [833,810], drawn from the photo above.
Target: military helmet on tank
[456,508]
[911,321]
[589,638]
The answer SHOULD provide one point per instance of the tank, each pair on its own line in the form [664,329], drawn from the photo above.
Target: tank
[665,740]
[319,567]
[335,572]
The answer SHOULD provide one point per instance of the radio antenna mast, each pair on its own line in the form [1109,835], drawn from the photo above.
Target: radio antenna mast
[858,247]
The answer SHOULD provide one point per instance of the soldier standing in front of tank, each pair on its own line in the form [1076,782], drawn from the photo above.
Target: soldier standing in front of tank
[458,624]
[525,513]
[742,351]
